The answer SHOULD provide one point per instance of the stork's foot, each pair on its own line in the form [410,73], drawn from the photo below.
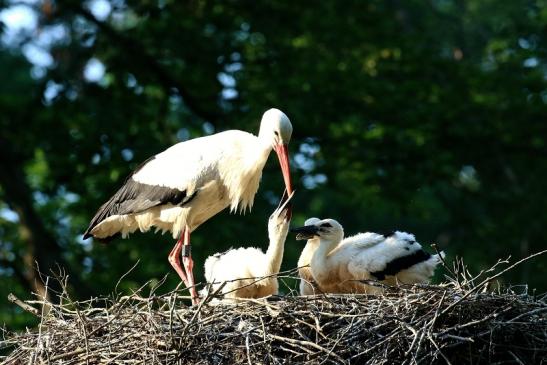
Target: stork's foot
[188,280]
[186,273]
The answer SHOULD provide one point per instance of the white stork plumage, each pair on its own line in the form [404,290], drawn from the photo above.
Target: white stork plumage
[185,185]
[248,272]
[338,265]
[307,283]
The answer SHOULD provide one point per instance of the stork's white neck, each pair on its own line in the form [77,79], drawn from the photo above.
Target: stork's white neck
[308,251]
[325,247]
[265,140]
[319,263]
[274,254]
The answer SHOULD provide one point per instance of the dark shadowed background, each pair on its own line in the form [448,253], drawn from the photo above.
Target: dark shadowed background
[425,116]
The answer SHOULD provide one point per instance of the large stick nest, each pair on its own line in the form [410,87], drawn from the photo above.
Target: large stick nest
[456,322]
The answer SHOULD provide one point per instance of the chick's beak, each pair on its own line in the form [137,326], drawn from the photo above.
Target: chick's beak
[305,233]
[285,207]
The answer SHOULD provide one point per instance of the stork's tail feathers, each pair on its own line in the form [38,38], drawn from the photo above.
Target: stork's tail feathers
[426,269]
[421,272]
[441,257]
[437,259]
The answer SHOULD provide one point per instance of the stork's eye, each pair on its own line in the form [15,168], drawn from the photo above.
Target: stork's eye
[276,133]
[326,225]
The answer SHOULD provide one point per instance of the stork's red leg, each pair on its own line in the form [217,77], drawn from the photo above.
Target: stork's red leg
[189,266]
[174,260]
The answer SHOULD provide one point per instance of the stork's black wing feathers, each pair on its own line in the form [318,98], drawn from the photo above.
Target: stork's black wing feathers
[388,233]
[135,197]
[401,263]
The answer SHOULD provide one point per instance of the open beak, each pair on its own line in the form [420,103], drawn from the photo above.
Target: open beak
[282,151]
[285,200]
[305,233]
[284,207]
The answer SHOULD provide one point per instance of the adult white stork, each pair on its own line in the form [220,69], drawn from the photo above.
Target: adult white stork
[183,186]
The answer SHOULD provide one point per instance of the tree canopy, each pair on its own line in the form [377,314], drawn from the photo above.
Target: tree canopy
[420,116]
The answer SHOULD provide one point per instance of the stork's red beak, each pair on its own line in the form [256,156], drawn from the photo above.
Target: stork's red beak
[282,151]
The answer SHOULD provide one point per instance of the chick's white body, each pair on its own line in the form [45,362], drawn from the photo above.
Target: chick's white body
[340,265]
[249,272]
[360,256]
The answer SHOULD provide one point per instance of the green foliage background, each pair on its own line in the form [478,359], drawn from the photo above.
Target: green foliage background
[427,116]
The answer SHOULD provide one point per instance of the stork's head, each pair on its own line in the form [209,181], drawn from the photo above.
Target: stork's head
[276,131]
[325,229]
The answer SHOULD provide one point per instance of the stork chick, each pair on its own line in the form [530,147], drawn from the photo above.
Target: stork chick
[249,272]
[340,265]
